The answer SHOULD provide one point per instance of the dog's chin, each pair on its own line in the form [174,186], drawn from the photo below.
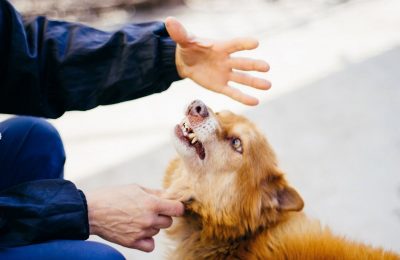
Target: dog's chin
[185,148]
[185,152]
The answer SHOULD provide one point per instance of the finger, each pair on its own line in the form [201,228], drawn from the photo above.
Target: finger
[162,222]
[151,232]
[145,244]
[240,44]
[155,192]
[249,64]
[177,32]
[239,96]
[249,80]
[169,208]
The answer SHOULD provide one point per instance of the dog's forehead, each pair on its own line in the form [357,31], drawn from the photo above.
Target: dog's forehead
[229,118]
[236,124]
[225,113]
[243,129]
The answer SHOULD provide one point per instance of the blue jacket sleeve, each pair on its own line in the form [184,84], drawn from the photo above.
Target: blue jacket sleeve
[50,67]
[42,210]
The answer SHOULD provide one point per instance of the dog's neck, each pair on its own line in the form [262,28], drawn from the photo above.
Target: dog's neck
[197,240]
[232,234]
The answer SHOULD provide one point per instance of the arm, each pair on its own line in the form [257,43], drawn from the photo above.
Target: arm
[44,210]
[49,67]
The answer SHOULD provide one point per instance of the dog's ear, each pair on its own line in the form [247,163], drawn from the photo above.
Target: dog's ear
[289,199]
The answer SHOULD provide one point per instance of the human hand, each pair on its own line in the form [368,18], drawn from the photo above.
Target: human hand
[130,215]
[209,64]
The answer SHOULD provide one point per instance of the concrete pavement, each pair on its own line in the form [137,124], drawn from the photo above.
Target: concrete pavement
[332,114]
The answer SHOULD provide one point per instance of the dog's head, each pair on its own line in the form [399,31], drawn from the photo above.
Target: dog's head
[230,172]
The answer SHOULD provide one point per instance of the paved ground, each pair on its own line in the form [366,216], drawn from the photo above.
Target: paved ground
[332,114]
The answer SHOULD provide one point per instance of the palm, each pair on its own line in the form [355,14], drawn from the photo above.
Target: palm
[205,65]
[210,65]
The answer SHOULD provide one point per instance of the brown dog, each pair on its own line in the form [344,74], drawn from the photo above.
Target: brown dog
[239,205]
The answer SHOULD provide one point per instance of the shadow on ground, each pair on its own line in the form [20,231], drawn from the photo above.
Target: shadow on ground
[338,140]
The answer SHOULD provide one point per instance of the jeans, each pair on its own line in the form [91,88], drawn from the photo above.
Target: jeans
[33,150]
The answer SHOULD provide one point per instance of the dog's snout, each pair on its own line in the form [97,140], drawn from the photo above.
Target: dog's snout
[197,108]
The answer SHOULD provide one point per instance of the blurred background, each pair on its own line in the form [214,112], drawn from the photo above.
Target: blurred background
[332,115]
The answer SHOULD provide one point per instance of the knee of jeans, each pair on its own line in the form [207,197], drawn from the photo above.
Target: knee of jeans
[63,250]
[41,142]
[101,251]
[45,135]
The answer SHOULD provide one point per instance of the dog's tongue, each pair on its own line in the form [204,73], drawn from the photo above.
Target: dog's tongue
[200,150]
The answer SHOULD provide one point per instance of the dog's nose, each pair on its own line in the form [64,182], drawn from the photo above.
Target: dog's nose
[197,108]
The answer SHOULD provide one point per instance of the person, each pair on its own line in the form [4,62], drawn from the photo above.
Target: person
[50,67]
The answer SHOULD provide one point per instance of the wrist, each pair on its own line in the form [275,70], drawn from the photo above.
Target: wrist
[92,218]
[180,66]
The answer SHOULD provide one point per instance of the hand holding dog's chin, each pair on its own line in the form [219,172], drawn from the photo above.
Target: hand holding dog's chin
[130,215]
[209,63]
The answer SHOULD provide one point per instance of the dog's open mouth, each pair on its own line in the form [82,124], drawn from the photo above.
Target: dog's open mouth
[185,133]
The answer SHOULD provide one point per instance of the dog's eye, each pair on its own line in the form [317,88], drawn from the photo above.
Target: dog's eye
[237,145]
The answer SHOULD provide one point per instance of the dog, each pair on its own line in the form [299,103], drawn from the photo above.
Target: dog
[238,202]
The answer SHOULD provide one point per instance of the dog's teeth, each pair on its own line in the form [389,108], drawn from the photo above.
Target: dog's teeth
[192,135]
[194,140]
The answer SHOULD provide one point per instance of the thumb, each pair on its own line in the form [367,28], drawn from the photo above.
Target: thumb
[171,208]
[177,32]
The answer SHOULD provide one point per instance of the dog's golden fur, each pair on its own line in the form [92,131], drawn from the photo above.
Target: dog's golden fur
[240,206]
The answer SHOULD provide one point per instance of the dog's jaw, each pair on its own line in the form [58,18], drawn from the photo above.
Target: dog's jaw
[192,137]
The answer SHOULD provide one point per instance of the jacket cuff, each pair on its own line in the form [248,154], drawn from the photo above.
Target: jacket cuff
[85,207]
[42,210]
[168,51]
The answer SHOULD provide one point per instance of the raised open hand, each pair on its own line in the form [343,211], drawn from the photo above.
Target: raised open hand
[209,64]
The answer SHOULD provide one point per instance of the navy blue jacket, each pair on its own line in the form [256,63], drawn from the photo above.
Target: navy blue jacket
[50,67]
